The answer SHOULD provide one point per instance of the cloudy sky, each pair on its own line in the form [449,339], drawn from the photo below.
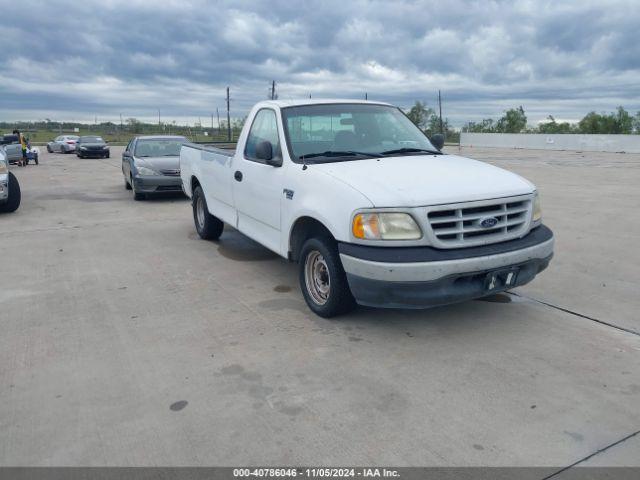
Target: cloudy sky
[74,60]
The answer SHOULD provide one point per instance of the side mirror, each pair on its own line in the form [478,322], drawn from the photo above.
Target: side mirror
[264,151]
[437,140]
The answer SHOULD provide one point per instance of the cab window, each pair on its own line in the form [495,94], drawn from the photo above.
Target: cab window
[263,128]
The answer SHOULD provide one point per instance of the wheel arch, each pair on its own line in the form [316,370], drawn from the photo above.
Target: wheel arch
[302,229]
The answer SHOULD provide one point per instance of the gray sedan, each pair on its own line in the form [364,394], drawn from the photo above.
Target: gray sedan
[151,164]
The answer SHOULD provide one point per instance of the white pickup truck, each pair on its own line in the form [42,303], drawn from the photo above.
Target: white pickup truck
[370,208]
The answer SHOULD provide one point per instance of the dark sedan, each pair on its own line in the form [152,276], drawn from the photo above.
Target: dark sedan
[151,164]
[92,146]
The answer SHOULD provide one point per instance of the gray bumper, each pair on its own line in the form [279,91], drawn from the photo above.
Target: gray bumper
[4,187]
[448,276]
[158,184]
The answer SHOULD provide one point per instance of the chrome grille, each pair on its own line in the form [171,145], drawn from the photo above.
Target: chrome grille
[479,223]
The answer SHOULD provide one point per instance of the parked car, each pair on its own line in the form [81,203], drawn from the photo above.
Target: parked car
[371,209]
[9,187]
[63,144]
[151,164]
[92,146]
[10,145]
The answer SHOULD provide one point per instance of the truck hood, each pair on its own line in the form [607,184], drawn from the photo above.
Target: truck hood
[420,180]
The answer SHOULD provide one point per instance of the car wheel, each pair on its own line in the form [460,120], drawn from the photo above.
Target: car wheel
[208,226]
[13,202]
[322,279]
[35,159]
[49,148]
[108,155]
[127,185]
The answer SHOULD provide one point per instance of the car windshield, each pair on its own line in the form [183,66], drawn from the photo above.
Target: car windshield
[91,140]
[339,132]
[156,147]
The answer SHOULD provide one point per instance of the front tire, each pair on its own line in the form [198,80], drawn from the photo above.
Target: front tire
[208,226]
[49,148]
[322,279]
[13,202]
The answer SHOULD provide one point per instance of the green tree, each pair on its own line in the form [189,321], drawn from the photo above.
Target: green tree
[554,127]
[420,115]
[513,121]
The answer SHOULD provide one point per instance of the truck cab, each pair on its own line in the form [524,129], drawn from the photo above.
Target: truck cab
[371,209]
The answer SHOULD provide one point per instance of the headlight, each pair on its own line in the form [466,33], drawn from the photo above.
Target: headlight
[385,226]
[83,148]
[537,210]
[106,147]
[144,171]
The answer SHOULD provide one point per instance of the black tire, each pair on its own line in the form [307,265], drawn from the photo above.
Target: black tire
[49,148]
[35,159]
[107,155]
[208,226]
[126,184]
[13,202]
[338,300]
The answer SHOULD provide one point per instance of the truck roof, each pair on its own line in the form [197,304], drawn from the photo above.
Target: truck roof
[316,101]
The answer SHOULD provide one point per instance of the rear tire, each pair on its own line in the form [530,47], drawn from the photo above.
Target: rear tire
[209,227]
[13,202]
[322,279]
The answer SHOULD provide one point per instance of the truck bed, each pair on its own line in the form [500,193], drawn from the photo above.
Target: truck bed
[226,149]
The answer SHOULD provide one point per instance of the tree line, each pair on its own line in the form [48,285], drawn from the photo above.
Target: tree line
[514,120]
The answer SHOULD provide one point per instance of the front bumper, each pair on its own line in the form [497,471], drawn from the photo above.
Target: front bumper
[92,153]
[158,184]
[4,187]
[419,277]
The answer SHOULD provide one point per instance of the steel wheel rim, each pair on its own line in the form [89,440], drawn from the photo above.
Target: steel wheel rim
[200,212]
[317,277]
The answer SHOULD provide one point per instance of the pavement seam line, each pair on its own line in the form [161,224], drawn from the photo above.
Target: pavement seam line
[597,452]
[581,315]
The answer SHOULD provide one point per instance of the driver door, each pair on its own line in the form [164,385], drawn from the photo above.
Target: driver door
[257,187]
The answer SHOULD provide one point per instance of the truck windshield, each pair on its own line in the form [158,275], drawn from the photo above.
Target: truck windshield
[343,131]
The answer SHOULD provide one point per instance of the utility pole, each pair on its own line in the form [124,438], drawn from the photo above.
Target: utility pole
[158,120]
[366,96]
[120,133]
[218,115]
[212,124]
[273,90]
[440,107]
[228,118]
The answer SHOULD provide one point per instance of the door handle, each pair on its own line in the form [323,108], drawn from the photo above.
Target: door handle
[238,175]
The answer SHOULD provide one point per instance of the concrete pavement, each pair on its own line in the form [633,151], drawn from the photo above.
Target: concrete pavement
[126,340]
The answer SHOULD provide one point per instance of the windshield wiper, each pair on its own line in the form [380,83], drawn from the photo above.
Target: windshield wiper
[411,150]
[346,153]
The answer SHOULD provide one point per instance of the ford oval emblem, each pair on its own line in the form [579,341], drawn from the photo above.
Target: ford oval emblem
[488,222]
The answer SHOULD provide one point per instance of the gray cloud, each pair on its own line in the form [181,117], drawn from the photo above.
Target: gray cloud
[73,60]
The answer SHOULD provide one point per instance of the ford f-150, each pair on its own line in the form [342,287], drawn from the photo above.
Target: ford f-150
[371,209]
